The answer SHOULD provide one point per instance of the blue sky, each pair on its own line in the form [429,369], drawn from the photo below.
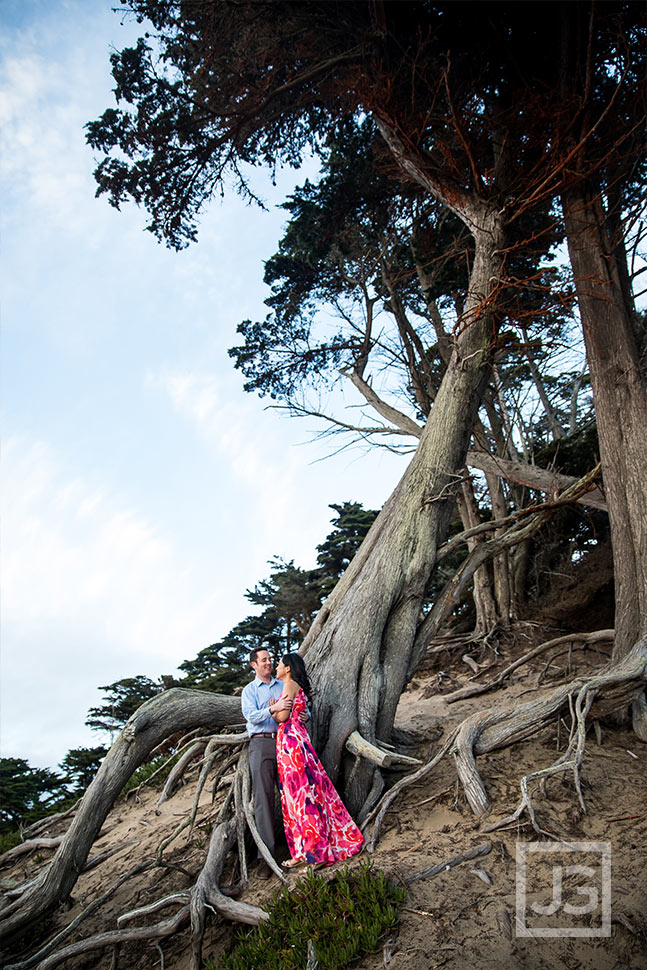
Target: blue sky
[142,490]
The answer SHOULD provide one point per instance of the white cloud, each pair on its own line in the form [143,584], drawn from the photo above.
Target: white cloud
[92,592]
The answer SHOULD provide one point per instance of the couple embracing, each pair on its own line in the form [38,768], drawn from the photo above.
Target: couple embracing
[318,828]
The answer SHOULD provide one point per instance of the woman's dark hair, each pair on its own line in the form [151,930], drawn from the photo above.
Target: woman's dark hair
[298,671]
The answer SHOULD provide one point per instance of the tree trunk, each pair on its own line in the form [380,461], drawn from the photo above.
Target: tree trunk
[620,399]
[486,618]
[359,649]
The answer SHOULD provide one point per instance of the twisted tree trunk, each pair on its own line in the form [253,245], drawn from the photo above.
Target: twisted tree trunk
[359,649]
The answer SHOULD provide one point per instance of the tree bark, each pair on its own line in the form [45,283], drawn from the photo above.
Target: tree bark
[620,399]
[359,648]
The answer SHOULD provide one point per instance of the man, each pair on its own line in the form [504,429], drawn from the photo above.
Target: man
[260,700]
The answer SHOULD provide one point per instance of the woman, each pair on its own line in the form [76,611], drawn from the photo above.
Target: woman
[318,828]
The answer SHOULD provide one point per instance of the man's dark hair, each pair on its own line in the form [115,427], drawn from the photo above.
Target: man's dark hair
[253,654]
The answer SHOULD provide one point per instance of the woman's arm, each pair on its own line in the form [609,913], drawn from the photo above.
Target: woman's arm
[283,714]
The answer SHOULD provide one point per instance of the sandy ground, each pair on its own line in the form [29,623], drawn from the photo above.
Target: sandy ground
[466,916]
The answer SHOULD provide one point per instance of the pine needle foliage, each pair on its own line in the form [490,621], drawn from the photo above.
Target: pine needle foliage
[345,918]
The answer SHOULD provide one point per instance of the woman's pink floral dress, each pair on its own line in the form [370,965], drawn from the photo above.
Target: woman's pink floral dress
[318,827]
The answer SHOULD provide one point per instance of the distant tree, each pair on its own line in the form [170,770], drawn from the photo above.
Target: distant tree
[121,700]
[27,793]
[334,555]
[81,765]
[291,597]
[290,594]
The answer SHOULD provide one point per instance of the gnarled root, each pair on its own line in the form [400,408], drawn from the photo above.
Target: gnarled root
[206,892]
[615,687]
[173,710]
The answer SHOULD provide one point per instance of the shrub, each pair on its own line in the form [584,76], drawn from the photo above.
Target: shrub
[344,917]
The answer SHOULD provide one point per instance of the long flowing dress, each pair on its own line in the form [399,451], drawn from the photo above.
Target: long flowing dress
[318,827]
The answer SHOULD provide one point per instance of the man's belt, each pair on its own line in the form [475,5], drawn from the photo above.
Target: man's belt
[263,734]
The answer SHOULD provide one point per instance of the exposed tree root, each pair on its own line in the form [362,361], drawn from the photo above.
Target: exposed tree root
[612,689]
[173,710]
[102,941]
[206,892]
[598,636]
[23,848]
[51,945]
[479,850]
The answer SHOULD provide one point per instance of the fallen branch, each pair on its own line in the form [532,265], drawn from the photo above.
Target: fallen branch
[542,479]
[475,853]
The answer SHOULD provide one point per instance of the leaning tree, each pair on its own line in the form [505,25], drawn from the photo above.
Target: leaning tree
[457,94]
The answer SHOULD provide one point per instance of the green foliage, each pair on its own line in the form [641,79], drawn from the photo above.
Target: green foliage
[26,793]
[9,840]
[351,525]
[121,700]
[575,455]
[81,765]
[344,917]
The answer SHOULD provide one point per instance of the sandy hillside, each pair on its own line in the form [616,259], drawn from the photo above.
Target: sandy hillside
[465,916]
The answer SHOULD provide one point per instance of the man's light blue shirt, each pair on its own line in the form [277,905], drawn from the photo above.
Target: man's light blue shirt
[254,702]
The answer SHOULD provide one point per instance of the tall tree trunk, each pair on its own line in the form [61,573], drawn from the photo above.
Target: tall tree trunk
[359,649]
[486,616]
[620,399]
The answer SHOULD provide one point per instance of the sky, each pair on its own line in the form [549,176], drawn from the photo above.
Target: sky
[143,491]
